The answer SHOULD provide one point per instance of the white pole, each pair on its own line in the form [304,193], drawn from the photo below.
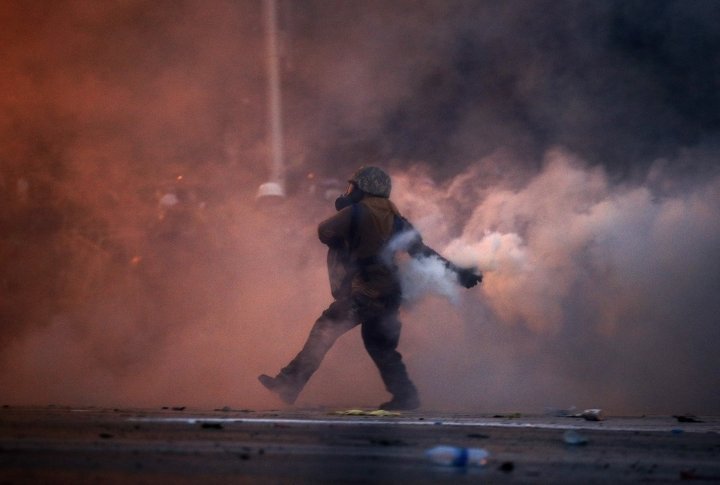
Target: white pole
[277,169]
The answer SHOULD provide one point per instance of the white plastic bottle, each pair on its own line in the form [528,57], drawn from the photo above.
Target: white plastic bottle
[457,456]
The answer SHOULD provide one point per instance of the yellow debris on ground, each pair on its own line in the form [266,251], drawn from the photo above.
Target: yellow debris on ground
[362,412]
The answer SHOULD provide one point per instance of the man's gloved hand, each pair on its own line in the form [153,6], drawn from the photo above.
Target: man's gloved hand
[469,277]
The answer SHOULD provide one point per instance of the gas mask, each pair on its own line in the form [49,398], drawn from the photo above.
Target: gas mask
[351,196]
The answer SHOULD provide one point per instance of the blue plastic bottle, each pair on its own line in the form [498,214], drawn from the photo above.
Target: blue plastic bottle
[457,456]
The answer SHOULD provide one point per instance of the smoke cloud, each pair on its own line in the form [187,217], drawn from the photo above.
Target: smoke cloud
[586,284]
[568,150]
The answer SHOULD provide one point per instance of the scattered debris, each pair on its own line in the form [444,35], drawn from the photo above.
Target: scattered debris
[207,425]
[592,415]
[382,412]
[572,437]
[687,418]
[350,412]
[361,412]
[507,466]
[478,436]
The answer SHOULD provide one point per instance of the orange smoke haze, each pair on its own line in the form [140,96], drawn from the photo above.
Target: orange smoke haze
[137,268]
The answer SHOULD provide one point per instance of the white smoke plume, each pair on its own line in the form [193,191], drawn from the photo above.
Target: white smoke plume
[422,275]
[585,279]
[427,275]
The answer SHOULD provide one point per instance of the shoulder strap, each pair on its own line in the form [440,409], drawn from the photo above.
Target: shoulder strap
[354,221]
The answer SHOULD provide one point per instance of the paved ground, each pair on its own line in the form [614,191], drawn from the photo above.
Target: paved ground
[65,445]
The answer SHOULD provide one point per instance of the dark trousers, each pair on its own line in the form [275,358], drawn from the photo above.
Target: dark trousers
[380,330]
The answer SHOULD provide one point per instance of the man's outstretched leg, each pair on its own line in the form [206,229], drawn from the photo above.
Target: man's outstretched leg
[336,320]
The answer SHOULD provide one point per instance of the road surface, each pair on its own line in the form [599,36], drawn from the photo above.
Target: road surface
[180,445]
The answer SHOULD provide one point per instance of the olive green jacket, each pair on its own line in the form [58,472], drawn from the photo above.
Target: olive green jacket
[355,256]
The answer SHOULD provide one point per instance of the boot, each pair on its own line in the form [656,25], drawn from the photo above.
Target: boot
[287,392]
[404,403]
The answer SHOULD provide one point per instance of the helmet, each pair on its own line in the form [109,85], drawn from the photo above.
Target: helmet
[373,181]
